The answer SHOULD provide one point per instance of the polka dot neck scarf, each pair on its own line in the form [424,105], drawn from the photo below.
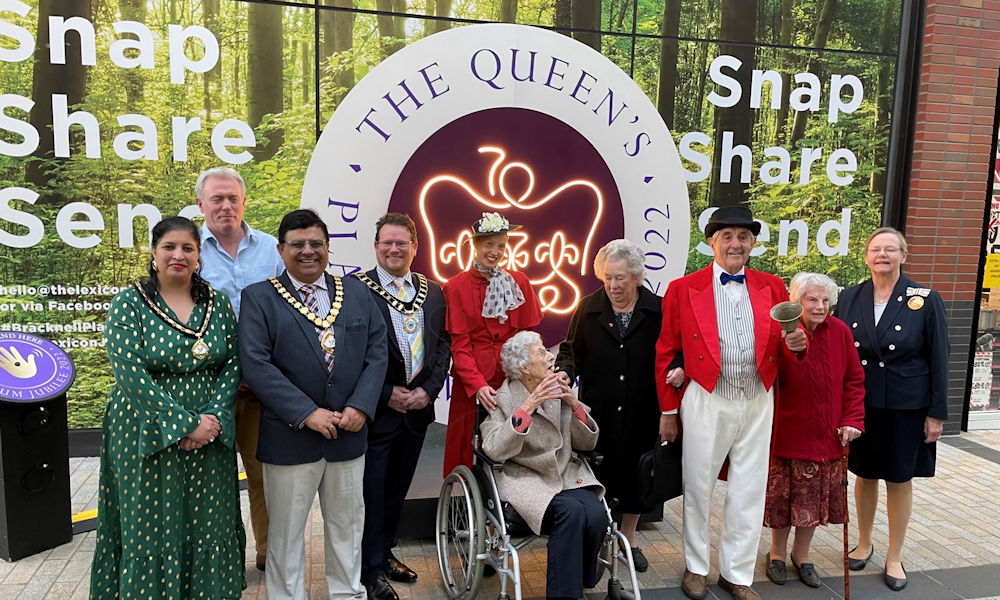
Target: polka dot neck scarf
[502,293]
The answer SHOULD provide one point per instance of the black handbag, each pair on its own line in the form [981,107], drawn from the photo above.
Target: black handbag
[660,474]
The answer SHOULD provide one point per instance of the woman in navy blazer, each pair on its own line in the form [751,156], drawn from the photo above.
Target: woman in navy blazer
[902,340]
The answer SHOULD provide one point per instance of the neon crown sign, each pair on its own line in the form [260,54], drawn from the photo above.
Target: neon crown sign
[551,263]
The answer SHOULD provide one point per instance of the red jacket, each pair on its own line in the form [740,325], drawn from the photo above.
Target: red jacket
[819,394]
[690,327]
[475,352]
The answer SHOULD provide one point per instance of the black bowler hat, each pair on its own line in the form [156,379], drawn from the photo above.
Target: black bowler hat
[731,216]
[492,223]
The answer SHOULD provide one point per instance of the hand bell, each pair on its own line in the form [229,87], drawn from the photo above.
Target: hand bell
[787,313]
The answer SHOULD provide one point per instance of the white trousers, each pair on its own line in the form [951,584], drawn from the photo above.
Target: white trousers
[289,491]
[715,427]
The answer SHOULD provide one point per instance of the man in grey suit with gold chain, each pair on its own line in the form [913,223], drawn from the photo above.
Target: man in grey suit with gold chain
[313,349]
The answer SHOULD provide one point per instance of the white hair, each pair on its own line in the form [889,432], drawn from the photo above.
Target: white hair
[803,280]
[621,250]
[221,172]
[515,355]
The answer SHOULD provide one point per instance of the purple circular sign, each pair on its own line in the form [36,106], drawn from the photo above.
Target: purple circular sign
[32,369]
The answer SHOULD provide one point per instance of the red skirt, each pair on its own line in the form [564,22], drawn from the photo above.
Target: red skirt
[804,493]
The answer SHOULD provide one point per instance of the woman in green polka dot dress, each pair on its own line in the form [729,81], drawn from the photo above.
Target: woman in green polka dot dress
[168,523]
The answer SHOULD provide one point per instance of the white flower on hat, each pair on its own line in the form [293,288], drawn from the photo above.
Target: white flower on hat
[493,222]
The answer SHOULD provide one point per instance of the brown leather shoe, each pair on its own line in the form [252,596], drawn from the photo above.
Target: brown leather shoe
[738,592]
[693,586]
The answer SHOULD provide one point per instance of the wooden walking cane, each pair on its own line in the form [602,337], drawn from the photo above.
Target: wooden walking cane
[846,448]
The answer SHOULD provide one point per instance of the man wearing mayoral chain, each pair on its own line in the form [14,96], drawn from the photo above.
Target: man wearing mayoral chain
[233,256]
[419,354]
[313,349]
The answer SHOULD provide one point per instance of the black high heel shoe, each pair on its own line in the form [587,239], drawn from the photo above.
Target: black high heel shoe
[859,564]
[893,583]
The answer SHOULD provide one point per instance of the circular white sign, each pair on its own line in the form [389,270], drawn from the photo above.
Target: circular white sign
[508,118]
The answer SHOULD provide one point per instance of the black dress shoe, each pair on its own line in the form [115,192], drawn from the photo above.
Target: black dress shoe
[859,564]
[397,571]
[777,572]
[380,590]
[639,560]
[807,574]
[895,584]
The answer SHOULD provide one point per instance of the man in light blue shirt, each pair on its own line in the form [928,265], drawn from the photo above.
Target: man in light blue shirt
[233,256]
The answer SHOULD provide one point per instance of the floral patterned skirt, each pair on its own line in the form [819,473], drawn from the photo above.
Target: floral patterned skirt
[804,493]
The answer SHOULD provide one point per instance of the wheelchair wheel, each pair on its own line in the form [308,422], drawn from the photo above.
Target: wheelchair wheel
[461,534]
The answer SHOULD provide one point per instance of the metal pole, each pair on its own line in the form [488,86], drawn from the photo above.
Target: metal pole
[847,562]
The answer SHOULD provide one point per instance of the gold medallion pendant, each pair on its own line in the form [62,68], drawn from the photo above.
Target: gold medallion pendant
[410,323]
[200,349]
[328,342]
[915,303]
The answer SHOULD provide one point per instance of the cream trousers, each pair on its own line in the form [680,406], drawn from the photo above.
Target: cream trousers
[290,490]
[715,427]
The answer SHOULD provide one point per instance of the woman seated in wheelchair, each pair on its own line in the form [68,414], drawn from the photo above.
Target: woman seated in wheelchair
[534,430]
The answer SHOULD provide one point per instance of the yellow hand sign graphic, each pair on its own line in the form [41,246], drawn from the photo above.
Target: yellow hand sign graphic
[15,364]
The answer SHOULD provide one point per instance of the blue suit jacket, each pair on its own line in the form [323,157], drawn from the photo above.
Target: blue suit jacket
[283,363]
[437,358]
[905,357]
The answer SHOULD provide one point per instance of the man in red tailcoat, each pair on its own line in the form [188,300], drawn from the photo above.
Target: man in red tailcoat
[718,319]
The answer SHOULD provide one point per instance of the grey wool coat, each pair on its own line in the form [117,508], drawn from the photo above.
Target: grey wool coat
[539,463]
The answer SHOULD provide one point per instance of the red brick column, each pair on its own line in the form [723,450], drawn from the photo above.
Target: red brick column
[956,104]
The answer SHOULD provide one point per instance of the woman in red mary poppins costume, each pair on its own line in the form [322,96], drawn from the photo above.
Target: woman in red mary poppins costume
[487,305]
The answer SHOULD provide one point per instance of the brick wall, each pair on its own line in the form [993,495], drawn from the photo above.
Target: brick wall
[956,104]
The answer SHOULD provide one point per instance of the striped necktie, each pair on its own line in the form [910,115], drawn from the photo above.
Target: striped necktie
[308,292]
[414,339]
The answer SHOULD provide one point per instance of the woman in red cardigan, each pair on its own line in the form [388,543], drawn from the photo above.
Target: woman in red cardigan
[487,305]
[820,408]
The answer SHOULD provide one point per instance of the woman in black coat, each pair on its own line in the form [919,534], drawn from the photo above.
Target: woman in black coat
[611,348]
[902,340]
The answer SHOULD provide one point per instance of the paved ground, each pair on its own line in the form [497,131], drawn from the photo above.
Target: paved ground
[952,550]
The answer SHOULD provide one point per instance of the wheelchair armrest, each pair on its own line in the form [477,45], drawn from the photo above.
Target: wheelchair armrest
[496,466]
[590,456]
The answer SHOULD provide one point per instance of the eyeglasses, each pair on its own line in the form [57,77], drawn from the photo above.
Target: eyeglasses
[300,245]
[886,251]
[399,245]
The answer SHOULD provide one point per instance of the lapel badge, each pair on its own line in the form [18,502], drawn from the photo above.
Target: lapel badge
[915,302]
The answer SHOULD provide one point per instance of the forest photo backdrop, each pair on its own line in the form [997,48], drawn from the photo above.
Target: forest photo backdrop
[109,109]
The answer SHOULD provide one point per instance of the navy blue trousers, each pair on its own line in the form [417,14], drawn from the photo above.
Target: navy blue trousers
[575,522]
[389,466]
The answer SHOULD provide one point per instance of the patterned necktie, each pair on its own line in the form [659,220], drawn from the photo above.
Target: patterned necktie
[414,339]
[312,303]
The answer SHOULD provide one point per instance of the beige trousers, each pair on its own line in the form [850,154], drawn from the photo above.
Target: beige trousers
[247,429]
[290,491]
